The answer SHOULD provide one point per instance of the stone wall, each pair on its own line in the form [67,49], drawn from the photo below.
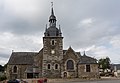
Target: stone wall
[19,74]
[52,54]
[94,73]
[70,55]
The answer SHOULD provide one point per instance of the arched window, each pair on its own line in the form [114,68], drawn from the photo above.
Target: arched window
[48,66]
[70,65]
[56,66]
[53,42]
[15,69]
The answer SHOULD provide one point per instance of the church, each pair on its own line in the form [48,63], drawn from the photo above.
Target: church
[52,61]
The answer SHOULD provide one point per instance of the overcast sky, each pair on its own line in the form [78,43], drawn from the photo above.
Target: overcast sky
[90,25]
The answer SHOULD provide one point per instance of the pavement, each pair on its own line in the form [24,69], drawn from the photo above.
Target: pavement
[76,80]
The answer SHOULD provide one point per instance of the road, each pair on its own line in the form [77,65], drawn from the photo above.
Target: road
[102,81]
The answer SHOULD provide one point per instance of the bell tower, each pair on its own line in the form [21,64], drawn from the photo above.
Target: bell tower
[52,49]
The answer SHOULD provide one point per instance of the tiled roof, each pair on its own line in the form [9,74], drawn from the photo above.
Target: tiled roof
[18,58]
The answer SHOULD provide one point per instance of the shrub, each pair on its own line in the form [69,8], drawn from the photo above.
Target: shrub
[3,78]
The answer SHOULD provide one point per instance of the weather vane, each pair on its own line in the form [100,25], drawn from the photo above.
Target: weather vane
[51,4]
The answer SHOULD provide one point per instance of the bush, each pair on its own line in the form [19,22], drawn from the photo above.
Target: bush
[3,78]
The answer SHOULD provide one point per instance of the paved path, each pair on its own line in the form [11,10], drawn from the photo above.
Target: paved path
[100,81]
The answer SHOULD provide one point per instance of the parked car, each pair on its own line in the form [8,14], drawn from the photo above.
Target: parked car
[13,81]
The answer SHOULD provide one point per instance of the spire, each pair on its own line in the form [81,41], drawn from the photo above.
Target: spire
[60,33]
[52,12]
[84,54]
[46,28]
[52,30]
[52,18]
[45,31]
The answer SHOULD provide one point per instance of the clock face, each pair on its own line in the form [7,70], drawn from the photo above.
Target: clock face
[52,51]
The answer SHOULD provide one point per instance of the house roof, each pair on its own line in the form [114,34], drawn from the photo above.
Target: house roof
[87,60]
[18,58]
[115,65]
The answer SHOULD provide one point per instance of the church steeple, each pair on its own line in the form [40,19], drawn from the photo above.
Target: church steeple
[52,48]
[52,18]
[52,30]
[52,12]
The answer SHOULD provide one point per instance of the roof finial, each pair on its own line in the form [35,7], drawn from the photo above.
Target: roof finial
[59,28]
[52,4]
[84,54]
[12,51]
[46,26]
[52,12]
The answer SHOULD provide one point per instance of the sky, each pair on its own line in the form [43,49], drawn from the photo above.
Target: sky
[87,25]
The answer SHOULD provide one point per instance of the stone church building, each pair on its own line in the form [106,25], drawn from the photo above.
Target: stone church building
[51,61]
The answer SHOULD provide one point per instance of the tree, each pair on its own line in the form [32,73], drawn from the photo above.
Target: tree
[104,63]
[1,68]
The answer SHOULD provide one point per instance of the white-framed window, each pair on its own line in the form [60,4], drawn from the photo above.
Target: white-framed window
[56,66]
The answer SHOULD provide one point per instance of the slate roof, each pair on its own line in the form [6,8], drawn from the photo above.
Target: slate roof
[64,51]
[52,31]
[87,60]
[20,58]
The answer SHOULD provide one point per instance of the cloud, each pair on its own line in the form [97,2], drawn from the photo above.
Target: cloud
[115,42]
[87,22]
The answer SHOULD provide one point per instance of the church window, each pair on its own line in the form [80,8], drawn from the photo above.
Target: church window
[15,69]
[87,68]
[48,66]
[56,66]
[53,42]
[70,65]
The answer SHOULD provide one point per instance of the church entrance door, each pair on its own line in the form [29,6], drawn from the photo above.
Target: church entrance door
[65,74]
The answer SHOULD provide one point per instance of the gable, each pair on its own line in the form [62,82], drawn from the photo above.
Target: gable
[70,53]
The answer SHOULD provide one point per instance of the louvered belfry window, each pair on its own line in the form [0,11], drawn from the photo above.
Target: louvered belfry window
[70,65]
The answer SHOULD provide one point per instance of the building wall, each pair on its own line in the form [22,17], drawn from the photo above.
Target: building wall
[94,73]
[38,62]
[52,54]
[20,71]
[70,55]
